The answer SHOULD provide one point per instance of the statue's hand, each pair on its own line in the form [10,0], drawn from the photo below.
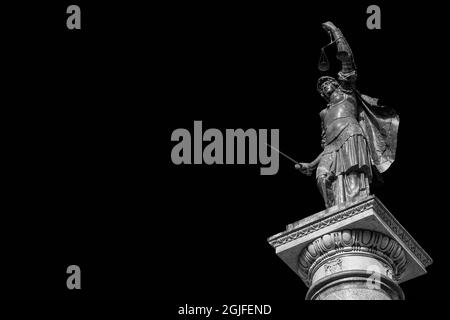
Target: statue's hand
[304,168]
[329,26]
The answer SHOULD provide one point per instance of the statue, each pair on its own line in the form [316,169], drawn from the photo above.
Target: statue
[359,136]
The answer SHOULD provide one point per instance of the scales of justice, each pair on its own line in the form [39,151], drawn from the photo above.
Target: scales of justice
[354,249]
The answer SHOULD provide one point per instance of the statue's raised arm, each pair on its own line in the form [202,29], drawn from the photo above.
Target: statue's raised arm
[347,75]
[359,137]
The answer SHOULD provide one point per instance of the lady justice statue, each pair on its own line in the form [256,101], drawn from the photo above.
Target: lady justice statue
[359,137]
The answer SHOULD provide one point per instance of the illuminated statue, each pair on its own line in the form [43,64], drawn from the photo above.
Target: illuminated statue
[359,137]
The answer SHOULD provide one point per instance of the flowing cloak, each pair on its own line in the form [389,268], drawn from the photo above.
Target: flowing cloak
[380,126]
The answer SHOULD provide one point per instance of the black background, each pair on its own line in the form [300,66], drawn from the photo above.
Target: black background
[89,115]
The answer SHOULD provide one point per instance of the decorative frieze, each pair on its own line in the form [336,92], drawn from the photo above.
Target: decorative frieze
[350,242]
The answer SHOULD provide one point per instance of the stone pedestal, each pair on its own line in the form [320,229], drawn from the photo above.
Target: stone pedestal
[359,252]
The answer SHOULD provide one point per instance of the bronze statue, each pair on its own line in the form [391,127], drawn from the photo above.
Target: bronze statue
[359,137]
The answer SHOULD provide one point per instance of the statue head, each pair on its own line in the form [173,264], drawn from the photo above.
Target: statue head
[326,86]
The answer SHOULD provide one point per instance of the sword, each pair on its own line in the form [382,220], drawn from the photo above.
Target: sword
[297,165]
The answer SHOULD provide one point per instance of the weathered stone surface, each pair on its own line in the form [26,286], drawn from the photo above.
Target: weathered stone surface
[356,288]
[351,250]
[338,251]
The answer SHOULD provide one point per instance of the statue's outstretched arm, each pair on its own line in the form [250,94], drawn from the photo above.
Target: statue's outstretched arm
[308,168]
[347,75]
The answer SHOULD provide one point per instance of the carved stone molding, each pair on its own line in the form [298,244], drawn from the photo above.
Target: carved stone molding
[404,236]
[371,203]
[321,224]
[340,251]
[334,244]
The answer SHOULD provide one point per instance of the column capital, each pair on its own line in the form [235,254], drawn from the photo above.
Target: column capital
[352,240]
[332,250]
